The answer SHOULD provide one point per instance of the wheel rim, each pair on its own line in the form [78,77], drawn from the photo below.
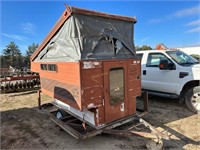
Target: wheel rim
[59,115]
[196,101]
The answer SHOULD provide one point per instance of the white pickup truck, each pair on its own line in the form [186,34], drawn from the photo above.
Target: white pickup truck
[173,74]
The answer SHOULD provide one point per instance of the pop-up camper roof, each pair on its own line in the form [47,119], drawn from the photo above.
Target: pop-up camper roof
[83,34]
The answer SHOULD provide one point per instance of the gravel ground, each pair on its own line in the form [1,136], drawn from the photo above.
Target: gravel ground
[23,126]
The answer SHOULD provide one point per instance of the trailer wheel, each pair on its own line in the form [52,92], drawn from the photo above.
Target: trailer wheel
[192,99]
[60,114]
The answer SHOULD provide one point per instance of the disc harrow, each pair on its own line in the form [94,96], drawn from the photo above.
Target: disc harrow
[19,82]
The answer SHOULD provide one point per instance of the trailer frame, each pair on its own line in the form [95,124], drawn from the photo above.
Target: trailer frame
[81,130]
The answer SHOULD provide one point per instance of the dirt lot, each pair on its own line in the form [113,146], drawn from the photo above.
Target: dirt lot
[23,126]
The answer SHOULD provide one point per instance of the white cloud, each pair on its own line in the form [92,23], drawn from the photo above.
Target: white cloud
[15,37]
[193,23]
[187,12]
[178,14]
[23,49]
[1,48]
[193,30]
[155,21]
[28,28]
[145,39]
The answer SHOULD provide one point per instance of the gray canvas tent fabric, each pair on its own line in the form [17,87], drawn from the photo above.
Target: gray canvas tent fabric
[84,37]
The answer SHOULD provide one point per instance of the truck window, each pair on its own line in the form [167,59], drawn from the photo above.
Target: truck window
[153,59]
[182,58]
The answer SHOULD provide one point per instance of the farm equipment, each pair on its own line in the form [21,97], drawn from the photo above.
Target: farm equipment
[18,80]
[87,63]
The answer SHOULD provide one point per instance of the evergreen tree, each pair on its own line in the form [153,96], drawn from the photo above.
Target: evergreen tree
[12,55]
[144,47]
[3,62]
[29,52]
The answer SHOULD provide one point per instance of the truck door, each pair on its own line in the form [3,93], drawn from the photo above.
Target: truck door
[155,79]
[115,84]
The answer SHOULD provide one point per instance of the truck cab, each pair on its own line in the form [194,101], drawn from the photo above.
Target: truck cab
[173,74]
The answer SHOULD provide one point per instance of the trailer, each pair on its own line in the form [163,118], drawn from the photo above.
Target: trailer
[81,129]
[87,64]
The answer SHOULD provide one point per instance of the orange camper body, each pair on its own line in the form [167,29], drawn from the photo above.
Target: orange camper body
[87,64]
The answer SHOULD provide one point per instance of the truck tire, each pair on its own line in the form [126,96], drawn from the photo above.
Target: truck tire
[192,99]
[60,114]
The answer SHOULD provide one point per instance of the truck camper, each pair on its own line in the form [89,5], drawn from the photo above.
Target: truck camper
[87,64]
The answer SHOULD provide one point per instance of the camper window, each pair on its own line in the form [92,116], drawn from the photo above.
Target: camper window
[116,85]
[49,67]
[52,67]
[43,66]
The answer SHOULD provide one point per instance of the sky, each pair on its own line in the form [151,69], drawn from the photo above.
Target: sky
[174,23]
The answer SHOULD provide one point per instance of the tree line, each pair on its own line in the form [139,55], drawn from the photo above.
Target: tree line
[144,47]
[12,56]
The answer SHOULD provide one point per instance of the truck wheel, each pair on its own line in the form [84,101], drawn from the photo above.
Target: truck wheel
[192,99]
[60,114]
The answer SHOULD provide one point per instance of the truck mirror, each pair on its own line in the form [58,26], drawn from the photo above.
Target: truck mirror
[163,65]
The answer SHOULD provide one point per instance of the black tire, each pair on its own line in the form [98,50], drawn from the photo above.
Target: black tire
[192,99]
[60,114]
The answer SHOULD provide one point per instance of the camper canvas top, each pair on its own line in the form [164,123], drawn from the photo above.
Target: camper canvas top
[84,35]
